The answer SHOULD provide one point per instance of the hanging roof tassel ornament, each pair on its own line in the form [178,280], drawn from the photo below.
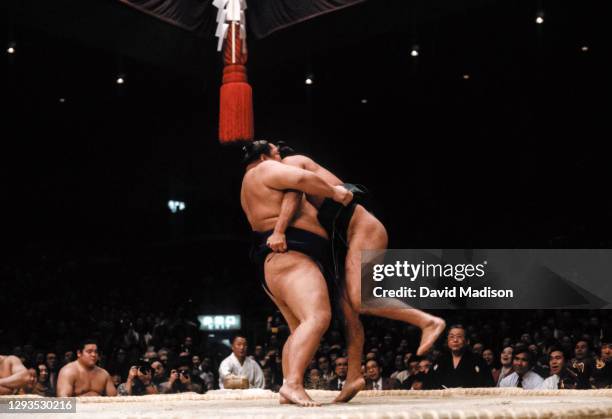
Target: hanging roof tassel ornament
[236,99]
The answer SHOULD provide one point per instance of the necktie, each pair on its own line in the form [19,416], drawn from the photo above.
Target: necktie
[520,382]
[340,385]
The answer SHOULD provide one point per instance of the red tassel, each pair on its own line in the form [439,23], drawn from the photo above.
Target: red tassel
[236,99]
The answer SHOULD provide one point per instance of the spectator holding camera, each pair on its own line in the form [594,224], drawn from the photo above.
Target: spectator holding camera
[180,381]
[139,381]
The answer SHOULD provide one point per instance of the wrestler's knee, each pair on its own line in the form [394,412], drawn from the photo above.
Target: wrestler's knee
[320,321]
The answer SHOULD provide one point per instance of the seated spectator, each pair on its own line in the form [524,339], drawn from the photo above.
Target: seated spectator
[270,380]
[601,376]
[563,377]
[139,381]
[458,367]
[159,373]
[374,380]
[523,376]
[207,375]
[315,381]
[341,369]
[405,372]
[238,364]
[582,360]
[489,358]
[325,369]
[399,366]
[505,359]
[42,387]
[180,381]
[69,356]
[53,366]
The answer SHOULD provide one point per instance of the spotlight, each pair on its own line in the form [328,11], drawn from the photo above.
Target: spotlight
[120,80]
[364,101]
[176,206]
[584,48]
[539,20]
[466,77]
[309,81]
[11,50]
[62,100]
[414,53]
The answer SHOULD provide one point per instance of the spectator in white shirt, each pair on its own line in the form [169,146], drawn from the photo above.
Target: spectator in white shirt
[238,364]
[523,376]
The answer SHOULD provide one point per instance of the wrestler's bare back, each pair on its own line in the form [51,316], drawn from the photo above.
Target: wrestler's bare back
[5,366]
[262,203]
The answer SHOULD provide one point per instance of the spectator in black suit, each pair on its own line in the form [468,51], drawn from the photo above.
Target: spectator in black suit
[459,367]
[341,368]
[374,380]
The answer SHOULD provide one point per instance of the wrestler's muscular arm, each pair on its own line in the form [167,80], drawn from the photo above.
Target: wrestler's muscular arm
[65,382]
[291,200]
[280,176]
[17,379]
[109,387]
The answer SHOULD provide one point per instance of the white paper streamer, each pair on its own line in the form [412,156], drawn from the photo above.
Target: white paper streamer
[230,11]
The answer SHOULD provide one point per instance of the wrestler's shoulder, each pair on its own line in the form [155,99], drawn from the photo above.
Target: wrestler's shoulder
[69,367]
[13,360]
[298,160]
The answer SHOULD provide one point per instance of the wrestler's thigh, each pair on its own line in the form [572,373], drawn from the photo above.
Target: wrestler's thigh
[292,321]
[366,232]
[297,282]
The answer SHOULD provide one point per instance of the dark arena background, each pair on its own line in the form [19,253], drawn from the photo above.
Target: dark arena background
[473,124]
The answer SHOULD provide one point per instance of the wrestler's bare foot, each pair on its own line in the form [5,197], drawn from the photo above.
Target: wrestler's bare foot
[284,400]
[429,334]
[350,390]
[294,393]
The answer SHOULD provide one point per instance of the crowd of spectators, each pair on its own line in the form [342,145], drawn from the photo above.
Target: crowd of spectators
[523,349]
[149,340]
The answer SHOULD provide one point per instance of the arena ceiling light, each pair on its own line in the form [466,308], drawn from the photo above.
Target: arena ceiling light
[414,52]
[584,48]
[540,18]
[176,206]
[309,80]
[11,48]
[120,80]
